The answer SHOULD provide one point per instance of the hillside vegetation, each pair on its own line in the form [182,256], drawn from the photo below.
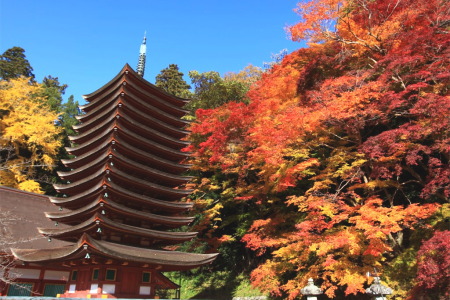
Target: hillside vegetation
[338,164]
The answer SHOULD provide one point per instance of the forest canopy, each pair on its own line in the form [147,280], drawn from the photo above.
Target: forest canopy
[338,164]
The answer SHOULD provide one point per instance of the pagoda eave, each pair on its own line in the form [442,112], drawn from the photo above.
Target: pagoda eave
[122,162]
[108,109]
[99,221]
[88,195]
[90,152]
[176,131]
[119,119]
[111,173]
[127,77]
[167,140]
[155,100]
[174,100]
[109,207]
[158,259]
[114,129]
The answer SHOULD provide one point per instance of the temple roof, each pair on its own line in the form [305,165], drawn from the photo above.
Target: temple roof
[121,161]
[123,121]
[112,189]
[114,128]
[126,99]
[101,221]
[110,207]
[159,259]
[128,78]
[101,146]
[22,213]
[136,113]
[113,174]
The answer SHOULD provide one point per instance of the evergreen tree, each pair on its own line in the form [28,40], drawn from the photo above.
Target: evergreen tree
[67,118]
[211,90]
[53,91]
[13,64]
[171,80]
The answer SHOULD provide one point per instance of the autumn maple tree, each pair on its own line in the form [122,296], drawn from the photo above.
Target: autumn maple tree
[339,163]
[434,266]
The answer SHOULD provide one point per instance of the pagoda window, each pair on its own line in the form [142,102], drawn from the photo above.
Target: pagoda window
[20,289]
[110,274]
[56,275]
[95,273]
[146,276]
[74,275]
[27,273]
[51,290]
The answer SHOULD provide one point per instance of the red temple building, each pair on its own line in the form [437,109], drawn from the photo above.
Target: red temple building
[121,204]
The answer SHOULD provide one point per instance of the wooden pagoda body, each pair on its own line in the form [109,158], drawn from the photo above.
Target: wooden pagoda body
[121,205]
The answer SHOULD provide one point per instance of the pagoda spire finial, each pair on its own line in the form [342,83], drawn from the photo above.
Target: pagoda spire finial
[142,55]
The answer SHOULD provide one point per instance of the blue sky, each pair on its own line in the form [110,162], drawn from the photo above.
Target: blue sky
[86,43]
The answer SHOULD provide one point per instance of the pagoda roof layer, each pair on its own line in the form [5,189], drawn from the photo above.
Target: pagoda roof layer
[100,221]
[111,173]
[159,259]
[134,124]
[137,113]
[111,188]
[126,98]
[127,76]
[119,119]
[127,70]
[121,161]
[109,206]
[113,141]
[114,127]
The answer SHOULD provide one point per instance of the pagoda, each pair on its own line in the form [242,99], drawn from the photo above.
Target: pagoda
[121,205]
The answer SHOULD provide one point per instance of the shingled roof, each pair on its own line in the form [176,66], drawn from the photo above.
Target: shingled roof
[22,212]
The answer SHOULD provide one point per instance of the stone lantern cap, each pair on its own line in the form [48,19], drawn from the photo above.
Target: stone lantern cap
[311,289]
[376,288]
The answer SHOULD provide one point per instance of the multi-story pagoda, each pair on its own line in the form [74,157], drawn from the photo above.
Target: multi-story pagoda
[121,203]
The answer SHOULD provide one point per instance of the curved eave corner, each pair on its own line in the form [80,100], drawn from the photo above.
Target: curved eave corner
[106,86]
[64,253]
[181,101]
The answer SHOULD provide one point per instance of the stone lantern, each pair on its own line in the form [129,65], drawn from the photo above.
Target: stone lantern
[311,291]
[377,290]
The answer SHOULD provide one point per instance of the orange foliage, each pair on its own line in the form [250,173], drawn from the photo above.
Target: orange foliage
[343,148]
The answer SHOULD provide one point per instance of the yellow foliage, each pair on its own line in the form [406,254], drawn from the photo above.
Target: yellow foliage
[30,186]
[7,178]
[26,123]
[249,75]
